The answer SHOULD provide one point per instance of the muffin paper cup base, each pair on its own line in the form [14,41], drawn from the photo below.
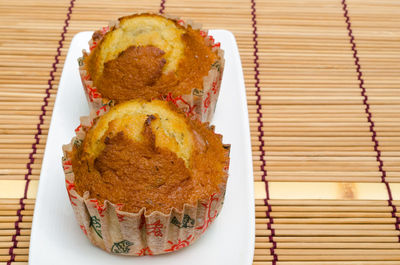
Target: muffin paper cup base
[137,234]
[199,104]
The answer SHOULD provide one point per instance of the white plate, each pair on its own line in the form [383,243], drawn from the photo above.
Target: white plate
[56,237]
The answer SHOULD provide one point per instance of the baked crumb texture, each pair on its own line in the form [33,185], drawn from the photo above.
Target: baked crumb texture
[149,56]
[144,179]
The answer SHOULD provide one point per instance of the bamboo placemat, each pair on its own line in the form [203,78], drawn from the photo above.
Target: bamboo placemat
[322,80]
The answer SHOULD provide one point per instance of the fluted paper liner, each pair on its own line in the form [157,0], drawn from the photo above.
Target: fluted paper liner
[137,234]
[199,104]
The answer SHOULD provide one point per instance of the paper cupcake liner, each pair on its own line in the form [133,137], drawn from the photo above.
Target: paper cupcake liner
[199,104]
[137,234]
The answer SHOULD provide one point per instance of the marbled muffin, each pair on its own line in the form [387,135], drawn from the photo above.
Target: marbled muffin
[149,56]
[144,164]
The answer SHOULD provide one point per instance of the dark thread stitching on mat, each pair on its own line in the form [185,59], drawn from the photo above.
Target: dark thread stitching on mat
[261,133]
[162,7]
[38,133]
[369,115]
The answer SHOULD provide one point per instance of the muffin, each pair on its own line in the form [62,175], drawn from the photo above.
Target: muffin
[150,56]
[144,179]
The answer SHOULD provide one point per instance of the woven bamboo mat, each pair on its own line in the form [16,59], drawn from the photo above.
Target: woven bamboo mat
[322,80]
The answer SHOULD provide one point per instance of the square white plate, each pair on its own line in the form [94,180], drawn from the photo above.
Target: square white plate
[56,237]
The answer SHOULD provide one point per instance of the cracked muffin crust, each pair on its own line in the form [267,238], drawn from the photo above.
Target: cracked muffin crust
[148,56]
[148,155]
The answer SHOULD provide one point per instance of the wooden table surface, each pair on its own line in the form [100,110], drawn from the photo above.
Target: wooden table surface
[323,91]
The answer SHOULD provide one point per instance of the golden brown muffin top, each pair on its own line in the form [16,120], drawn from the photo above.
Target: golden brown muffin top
[147,56]
[147,154]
